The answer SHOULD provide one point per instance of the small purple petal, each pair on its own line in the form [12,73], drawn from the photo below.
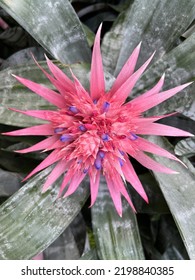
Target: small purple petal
[106,106]
[121,162]
[66,137]
[85,170]
[59,129]
[95,101]
[73,109]
[122,153]
[101,154]
[82,128]
[133,136]
[105,137]
[98,163]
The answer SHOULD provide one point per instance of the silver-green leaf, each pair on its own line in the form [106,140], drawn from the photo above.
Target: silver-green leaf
[158,24]
[30,221]
[179,192]
[55,26]
[186,147]
[178,66]
[116,238]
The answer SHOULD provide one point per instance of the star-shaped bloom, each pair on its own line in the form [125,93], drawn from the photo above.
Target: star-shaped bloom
[93,133]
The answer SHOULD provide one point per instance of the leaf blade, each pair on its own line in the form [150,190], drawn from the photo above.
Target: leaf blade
[54,24]
[30,221]
[179,193]
[116,238]
[158,24]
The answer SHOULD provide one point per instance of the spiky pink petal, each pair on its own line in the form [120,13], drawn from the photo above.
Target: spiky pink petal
[133,179]
[82,93]
[127,70]
[115,194]
[156,99]
[40,114]
[75,182]
[66,179]
[60,86]
[123,191]
[58,170]
[149,163]
[150,92]
[94,186]
[97,83]
[46,93]
[60,75]
[49,160]
[150,147]
[163,130]
[122,93]
[140,121]
[42,145]
[43,129]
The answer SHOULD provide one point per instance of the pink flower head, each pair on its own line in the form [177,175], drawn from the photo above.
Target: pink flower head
[94,133]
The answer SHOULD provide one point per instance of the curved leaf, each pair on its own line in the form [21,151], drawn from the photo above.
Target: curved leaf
[116,238]
[179,193]
[186,147]
[158,24]
[31,221]
[178,66]
[54,24]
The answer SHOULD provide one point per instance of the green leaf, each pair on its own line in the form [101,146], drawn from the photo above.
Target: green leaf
[158,24]
[178,66]
[55,26]
[69,245]
[15,95]
[179,192]
[116,238]
[89,34]
[185,147]
[90,255]
[189,31]
[31,221]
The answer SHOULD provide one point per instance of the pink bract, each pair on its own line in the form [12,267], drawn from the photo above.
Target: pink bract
[94,133]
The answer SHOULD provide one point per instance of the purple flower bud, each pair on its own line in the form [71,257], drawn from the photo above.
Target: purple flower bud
[82,128]
[66,138]
[106,106]
[98,163]
[59,129]
[101,154]
[73,109]
[105,137]
[133,136]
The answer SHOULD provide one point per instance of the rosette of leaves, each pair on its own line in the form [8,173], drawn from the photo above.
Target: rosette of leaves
[31,222]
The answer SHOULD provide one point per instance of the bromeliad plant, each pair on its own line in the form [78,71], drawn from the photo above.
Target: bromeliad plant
[92,133]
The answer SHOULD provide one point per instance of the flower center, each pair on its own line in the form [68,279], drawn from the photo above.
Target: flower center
[88,137]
